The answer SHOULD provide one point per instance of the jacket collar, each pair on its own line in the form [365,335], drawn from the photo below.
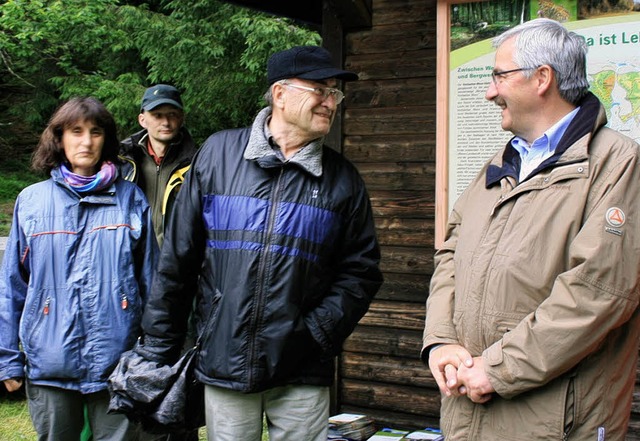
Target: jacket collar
[136,144]
[309,158]
[573,145]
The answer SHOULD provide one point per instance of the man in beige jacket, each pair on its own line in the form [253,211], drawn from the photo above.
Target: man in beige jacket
[532,325]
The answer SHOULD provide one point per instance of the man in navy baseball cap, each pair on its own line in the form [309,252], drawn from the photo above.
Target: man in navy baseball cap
[156,156]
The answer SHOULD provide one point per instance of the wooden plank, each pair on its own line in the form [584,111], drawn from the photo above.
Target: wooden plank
[395,12]
[633,433]
[394,65]
[410,400]
[385,369]
[404,37]
[390,148]
[390,121]
[418,203]
[389,93]
[404,287]
[373,340]
[408,232]
[395,315]
[398,176]
[407,260]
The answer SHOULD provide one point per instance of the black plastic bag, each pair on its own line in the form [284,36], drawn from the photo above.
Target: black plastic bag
[162,398]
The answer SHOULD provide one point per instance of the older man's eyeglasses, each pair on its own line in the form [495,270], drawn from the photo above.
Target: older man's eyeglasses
[497,75]
[322,92]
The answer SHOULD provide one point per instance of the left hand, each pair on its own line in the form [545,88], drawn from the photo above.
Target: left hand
[475,381]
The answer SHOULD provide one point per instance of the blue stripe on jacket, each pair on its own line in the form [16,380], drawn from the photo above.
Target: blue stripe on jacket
[242,213]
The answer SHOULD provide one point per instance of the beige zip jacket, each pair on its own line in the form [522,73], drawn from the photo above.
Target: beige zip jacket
[541,279]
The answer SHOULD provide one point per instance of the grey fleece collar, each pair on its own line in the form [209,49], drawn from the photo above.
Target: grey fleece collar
[309,157]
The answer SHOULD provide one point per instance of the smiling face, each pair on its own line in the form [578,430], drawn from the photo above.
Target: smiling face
[82,143]
[310,113]
[514,93]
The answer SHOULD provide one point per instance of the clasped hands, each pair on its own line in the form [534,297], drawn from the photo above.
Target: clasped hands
[457,373]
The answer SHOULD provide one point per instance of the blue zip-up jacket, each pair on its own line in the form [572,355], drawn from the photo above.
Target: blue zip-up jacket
[282,254]
[75,277]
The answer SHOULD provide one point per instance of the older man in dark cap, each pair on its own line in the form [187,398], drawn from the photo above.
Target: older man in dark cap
[158,156]
[274,235]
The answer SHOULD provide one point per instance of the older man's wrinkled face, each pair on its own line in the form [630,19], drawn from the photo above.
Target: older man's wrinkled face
[311,111]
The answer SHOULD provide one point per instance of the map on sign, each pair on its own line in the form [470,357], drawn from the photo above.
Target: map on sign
[618,87]
[614,68]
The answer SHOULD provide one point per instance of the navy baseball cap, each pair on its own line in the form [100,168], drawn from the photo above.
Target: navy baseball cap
[158,95]
[306,62]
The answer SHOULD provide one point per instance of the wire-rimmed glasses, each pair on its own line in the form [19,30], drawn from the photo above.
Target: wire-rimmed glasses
[322,92]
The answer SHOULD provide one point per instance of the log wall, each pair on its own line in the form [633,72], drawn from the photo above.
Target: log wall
[389,133]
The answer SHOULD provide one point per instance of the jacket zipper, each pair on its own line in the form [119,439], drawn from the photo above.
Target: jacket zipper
[262,270]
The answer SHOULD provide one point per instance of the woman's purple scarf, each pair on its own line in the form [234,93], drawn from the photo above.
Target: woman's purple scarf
[86,184]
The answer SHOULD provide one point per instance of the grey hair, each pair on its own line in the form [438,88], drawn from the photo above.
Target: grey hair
[545,41]
[268,95]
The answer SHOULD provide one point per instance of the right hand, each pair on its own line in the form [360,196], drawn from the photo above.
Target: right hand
[13,384]
[444,362]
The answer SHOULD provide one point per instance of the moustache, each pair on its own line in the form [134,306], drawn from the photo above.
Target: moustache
[499,102]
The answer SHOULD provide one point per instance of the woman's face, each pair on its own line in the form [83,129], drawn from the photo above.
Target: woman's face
[82,143]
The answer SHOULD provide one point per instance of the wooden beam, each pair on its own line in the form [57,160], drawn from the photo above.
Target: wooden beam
[354,14]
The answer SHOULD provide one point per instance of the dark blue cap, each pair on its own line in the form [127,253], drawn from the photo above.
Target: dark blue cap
[158,95]
[306,62]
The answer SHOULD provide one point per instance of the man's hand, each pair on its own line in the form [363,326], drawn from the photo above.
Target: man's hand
[444,362]
[13,384]
[476,381]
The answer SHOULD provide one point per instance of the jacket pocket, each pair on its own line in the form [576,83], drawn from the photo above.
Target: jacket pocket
[497,326]
[535,415]
[50,341]
[569,408]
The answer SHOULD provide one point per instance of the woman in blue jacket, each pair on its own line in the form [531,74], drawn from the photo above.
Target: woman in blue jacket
[75,276]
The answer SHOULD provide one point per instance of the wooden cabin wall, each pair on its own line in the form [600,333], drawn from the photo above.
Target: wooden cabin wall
[389,133]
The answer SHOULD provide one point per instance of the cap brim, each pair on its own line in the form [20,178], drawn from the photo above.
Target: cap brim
[323,74]
[160,102]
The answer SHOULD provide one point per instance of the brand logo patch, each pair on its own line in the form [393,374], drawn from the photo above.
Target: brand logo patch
[615,217]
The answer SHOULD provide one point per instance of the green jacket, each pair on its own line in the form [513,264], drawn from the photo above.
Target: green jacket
[160,184]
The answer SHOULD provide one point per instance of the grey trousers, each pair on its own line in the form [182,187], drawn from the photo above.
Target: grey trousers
[58,415]
[299,413]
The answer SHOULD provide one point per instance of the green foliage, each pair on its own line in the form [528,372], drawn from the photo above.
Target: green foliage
[214,52]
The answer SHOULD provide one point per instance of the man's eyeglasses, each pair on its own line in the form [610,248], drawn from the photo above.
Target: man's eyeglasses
[499,74]
[322,92]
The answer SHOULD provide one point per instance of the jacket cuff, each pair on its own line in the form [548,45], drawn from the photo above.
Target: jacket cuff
[154,349]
